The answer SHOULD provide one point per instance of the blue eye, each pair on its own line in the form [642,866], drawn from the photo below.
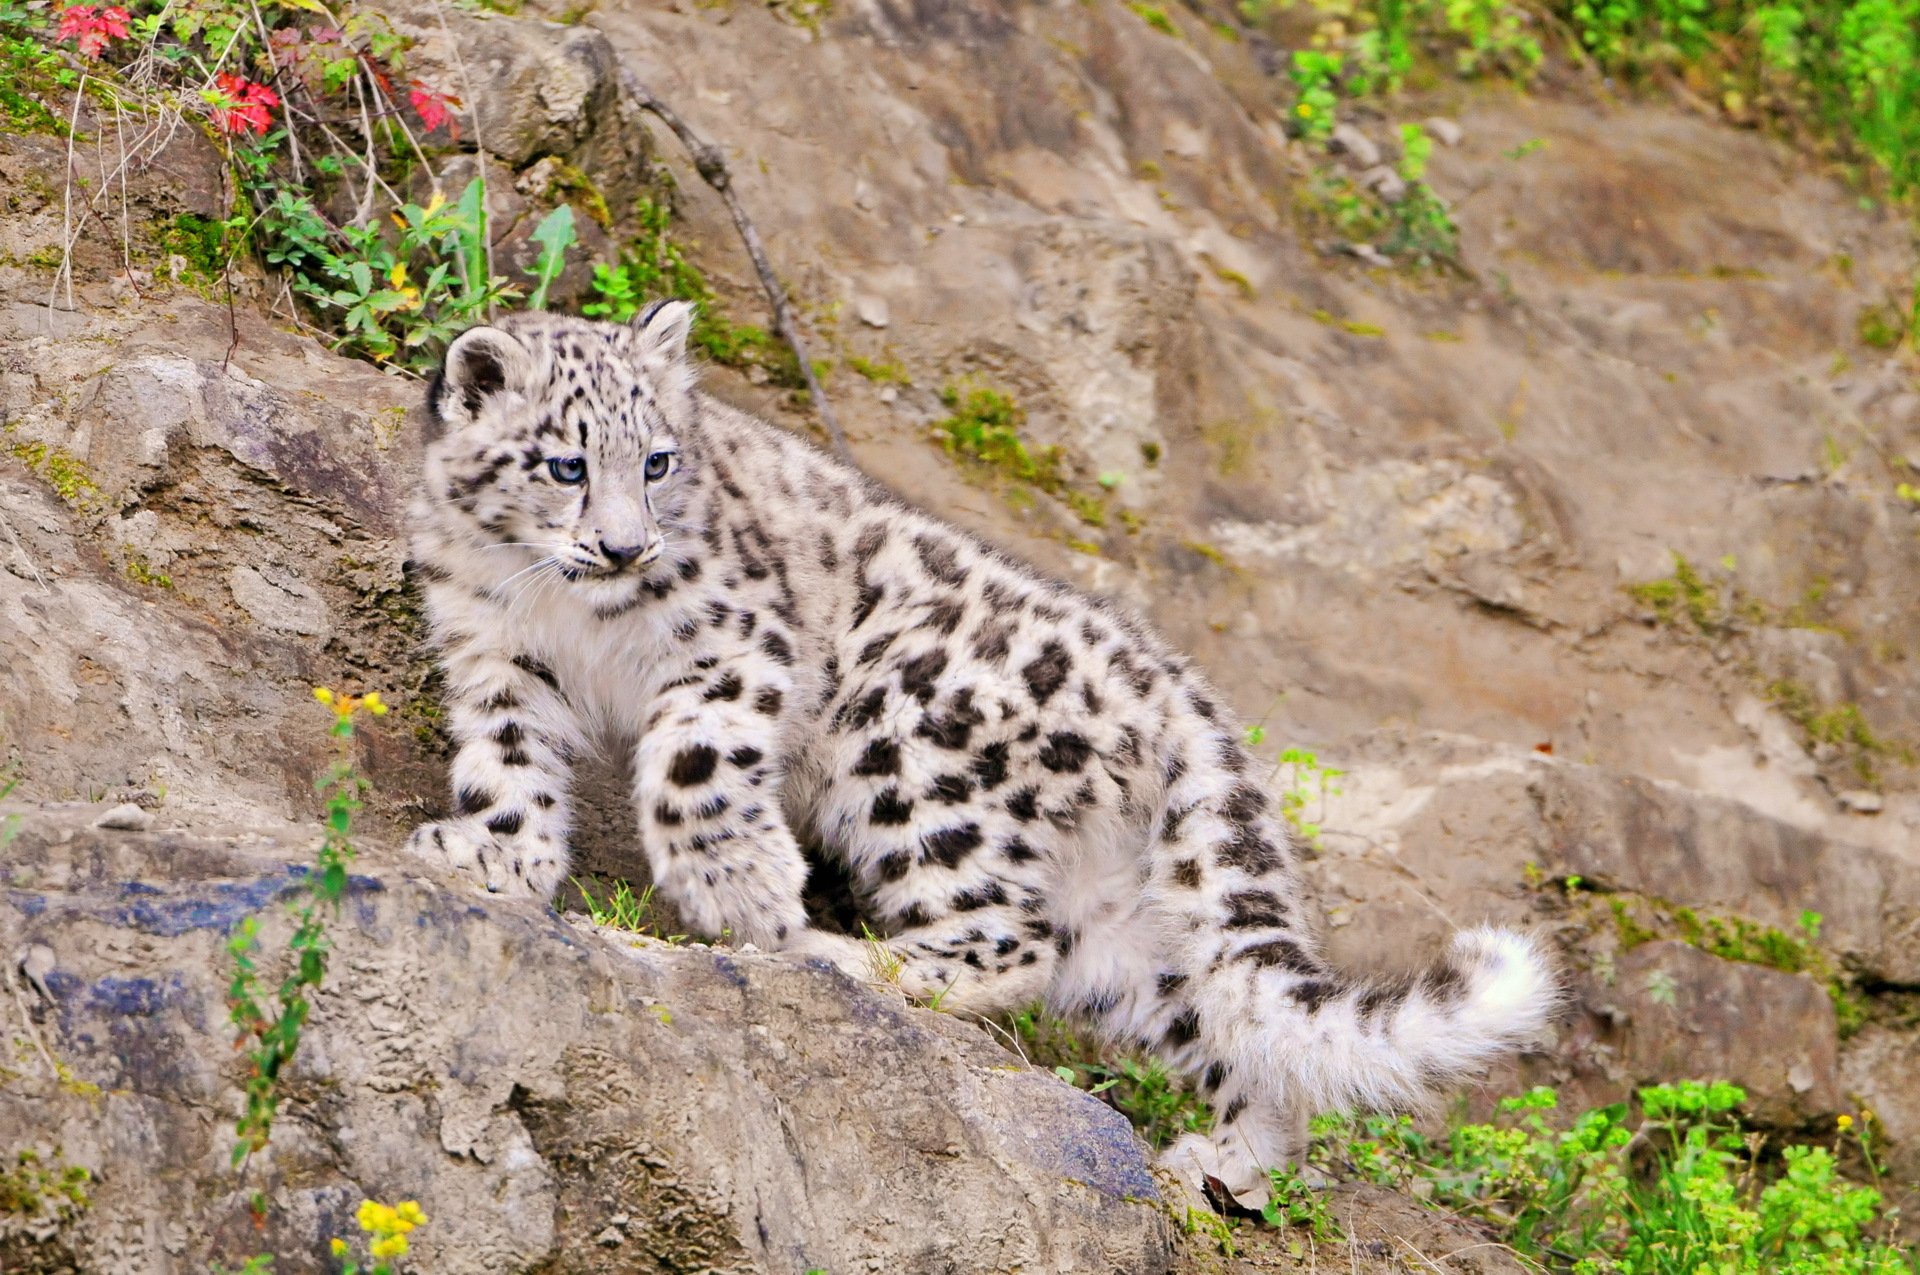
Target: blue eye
[657,466]
[568,469]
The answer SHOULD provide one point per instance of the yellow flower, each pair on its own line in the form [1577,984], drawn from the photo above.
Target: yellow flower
[373,1216]
[339,1247]
[388,1246]
[409,1210]
[1304,110]
[1845,1123]
[322,694]
[378,707]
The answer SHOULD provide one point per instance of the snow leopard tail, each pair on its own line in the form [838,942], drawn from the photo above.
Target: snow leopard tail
[1404,1042]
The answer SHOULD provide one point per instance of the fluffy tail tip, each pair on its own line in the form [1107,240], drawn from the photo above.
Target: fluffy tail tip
[1514,990]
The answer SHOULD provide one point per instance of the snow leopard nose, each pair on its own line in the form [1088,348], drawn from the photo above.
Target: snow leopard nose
[621,555]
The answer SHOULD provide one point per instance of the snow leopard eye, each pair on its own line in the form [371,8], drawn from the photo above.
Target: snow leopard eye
[657,466]
[568,469]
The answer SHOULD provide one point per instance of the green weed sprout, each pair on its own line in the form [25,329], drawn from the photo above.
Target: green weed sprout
[271,1040]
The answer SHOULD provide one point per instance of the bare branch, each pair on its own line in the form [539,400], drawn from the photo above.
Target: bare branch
[712,166]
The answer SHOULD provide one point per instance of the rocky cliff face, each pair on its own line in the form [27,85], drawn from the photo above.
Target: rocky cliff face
[1424,524]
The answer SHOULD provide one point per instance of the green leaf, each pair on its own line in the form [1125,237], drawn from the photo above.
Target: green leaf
[555,234]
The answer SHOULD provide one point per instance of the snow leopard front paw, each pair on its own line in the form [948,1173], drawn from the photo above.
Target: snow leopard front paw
[1196,1158]
[470,850]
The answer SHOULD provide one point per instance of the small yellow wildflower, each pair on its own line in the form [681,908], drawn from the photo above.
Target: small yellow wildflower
[388,1246]
[339,1247]
[1845,1123]
[409,1210]
[1304,110]
[344,706]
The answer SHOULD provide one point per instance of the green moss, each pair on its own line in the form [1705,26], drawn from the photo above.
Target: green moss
[31,1189]
[887,373]
[808,14]
[1206,551]
[62,471]
[207,245]
[29,71]
[1154,17]
[1638,919]
[1238,280]
[1881,327]
[985,428]
[1842,727]
[1632,934]
[1684,597]
[571,185]
[1353,327]
[140,573]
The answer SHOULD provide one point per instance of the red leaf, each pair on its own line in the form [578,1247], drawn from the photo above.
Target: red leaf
[431,104]
[92,28]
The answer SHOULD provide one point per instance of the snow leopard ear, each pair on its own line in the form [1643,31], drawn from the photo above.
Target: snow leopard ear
[662,330]
[481,361]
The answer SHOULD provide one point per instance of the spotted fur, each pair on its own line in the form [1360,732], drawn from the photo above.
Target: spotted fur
[1031,796]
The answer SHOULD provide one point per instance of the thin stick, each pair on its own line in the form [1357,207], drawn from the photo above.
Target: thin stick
[33,1032]
[293,138]
[67,233]
[24,555]
[712,166]
[479,155]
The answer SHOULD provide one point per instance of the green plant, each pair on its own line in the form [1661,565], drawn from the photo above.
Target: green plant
[1681,1192]
[1305,783]
[9,824]
[1316,73]
[622,909]
[653,265]
[1495,36]
[1420,230]
[403,294]
[270,1041]
[1293,1202]
[554,234]
[1140,1088]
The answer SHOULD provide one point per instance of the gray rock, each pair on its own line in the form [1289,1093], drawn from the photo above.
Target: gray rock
[1693,1014]
[125,817]
[871,310]
[1383,181]
[1861,801]
[1443,130]
[548,1092]
[1350,141]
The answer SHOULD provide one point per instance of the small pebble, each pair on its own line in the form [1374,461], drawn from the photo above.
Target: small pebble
[1861,801]
[125,817]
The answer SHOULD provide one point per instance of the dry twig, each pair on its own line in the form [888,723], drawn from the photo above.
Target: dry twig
[712,166]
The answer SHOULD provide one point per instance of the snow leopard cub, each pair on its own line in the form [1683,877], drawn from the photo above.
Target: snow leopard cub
[1034,797]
